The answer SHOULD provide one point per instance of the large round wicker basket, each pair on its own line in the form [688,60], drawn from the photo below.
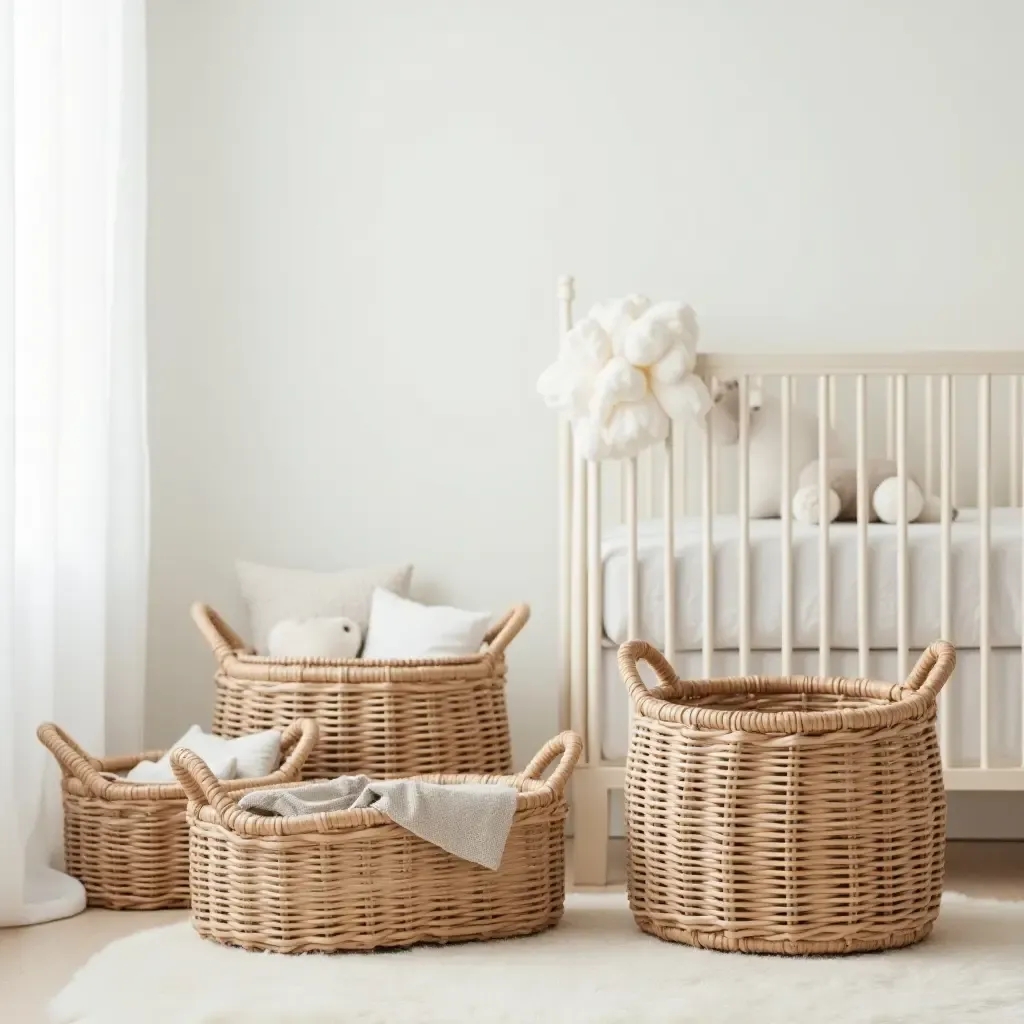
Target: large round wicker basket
[127,842]
[354,880]
[379,718]
[785,815]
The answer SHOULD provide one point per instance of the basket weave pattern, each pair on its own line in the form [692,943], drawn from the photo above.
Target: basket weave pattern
[127,842]
[785,815]
[354,880]
[384,719]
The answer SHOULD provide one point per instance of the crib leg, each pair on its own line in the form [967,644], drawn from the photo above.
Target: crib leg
[591,820]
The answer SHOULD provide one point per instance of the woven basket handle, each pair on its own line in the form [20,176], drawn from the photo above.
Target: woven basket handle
[933,669]
[506,629]
[200,784]
[223,640]
[570,746]
[297,743]
[73,760]
[640,650]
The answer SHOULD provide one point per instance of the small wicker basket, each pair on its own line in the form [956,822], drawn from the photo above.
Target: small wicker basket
[384,719]
[127,842]
[785,815]
[354,880]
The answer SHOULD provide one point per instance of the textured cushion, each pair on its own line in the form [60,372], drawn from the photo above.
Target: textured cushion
[400,628]
[337,638]
[254,755]
[274,595]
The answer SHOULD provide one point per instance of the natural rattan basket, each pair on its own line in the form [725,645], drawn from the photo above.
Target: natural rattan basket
[354,880]
[785,815]
[127,842]
[379,718]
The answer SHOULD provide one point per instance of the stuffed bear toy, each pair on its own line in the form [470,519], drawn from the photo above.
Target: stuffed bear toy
[336,638]
[765,465]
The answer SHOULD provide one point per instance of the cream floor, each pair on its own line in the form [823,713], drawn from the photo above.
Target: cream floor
[36,962]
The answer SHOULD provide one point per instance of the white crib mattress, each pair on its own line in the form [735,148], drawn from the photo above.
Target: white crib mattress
[924,589]
[960,700]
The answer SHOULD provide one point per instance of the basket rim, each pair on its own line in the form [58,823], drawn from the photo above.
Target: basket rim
[912,700]
[230,650]
[83,776]
[210,803]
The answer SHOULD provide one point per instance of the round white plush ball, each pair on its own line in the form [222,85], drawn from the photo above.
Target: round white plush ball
[807,508]
[336,638]
[886,500]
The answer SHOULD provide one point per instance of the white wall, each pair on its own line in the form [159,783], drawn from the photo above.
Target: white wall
[358,212]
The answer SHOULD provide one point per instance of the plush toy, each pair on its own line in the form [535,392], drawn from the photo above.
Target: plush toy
[883,488]
[765,442]
[336,638]
[765,465]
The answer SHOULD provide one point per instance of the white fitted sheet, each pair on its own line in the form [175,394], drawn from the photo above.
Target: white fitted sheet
[959,699]
[924,546]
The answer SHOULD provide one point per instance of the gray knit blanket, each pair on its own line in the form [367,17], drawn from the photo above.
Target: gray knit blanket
[471,821]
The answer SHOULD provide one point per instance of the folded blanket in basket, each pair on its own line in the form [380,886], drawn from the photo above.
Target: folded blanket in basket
[471,820]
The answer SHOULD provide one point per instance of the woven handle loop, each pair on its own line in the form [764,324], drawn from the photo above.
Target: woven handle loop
[297,743]
[640,650]
[933,669]
[223,640]
[200,784]
[73,760]
[570,746]
[506,629]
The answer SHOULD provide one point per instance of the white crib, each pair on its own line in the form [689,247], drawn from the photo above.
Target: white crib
[662,547]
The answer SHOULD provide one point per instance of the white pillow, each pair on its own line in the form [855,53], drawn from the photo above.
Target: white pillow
[400,628]
[336,638]
[160,771]
[274,595]
[255,755]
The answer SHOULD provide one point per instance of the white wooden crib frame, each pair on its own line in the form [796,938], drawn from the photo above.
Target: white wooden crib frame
[580,533]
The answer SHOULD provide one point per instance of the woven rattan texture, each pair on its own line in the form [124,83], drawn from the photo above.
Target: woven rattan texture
[821,839]
[383,719]
[353,880]
[127,843]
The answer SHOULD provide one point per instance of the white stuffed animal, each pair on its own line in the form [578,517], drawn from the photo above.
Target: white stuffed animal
[336,638]
[883,487]
[765,442]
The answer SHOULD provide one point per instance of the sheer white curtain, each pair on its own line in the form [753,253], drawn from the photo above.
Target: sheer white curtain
[73,465]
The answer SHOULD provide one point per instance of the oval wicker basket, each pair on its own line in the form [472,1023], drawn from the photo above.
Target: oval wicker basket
[354,880]
[127,842]
[379,718]
[785,815]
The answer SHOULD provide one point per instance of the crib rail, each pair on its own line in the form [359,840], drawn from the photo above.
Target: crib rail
[949,420]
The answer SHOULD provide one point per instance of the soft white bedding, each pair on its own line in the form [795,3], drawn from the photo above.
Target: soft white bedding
[960,699]
[924,542]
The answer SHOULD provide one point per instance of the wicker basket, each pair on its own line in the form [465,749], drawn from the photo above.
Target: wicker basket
[384,719]
[785,815]
[127,842]
[354,880]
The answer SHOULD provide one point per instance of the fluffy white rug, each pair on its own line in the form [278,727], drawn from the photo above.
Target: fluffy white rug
[595,966]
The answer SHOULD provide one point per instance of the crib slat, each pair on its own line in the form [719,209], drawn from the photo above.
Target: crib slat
[863,512]
[929,435]
[633,578]
[669,512]
[984,512]
[708,553]
[744,524]
[945,556]
[580,506]
[902,580]
[833,403]
[890,417]
[649,480]
[824,552]
[954,490]
[1014,442]
[595,611]
[785,399]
